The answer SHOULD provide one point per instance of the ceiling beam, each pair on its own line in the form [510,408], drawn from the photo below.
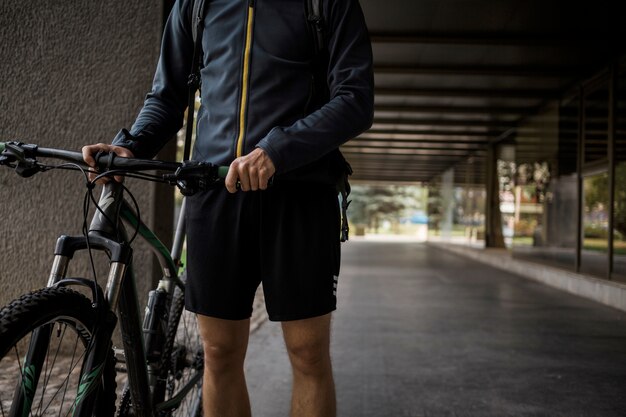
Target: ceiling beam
[495,124]
[403,150]
[402,157]
[389,180]
[481,70]
[407,170]
[401,134]
[399,167]
[453,109]
[430,171]
[417,146]
[529,93]
[487,38]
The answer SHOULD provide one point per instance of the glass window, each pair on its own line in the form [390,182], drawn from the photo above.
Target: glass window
[546,196]
[595,244]
[619,221]
[456,204]
[596,125]
[595,184]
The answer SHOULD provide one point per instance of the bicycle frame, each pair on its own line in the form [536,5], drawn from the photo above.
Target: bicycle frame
[120,295]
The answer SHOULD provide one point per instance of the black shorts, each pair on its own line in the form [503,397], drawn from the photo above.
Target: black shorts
[286,237]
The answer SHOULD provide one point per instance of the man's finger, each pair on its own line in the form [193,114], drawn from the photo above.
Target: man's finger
[244,176]
[253,174]
[88,156]
[231,178]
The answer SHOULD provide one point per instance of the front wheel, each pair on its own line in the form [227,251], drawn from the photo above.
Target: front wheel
[44,339]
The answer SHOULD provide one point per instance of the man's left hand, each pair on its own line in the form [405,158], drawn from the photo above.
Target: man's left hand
[252,171]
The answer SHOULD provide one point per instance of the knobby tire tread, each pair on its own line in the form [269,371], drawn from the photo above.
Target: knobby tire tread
[32,310]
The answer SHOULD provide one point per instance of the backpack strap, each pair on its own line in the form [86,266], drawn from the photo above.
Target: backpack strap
[317,24]
[315,18]
[343,188]
[196,18]
[193,81]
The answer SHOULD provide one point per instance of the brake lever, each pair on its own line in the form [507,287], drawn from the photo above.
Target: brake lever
[17,152]
[193,176]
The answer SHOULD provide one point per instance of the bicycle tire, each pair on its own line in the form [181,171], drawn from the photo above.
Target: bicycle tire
[66,318]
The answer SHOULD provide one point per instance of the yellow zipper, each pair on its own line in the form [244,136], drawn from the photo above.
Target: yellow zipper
[245,77]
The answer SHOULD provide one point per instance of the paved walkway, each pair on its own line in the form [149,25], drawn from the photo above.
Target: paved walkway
[424,332]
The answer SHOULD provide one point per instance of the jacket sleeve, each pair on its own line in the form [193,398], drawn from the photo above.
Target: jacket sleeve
[162,113]
[349,112]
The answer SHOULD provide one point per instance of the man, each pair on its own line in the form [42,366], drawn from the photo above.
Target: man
[264,114]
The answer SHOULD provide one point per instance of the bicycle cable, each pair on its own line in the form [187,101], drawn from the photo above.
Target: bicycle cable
[90,198]
[85,229]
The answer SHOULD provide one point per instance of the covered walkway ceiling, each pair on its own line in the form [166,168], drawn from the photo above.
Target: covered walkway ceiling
[454,75]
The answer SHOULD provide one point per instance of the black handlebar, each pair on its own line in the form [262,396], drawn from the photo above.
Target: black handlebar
[188,176]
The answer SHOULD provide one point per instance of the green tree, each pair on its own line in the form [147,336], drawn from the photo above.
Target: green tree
[373,204]
[596,192]
[619,223]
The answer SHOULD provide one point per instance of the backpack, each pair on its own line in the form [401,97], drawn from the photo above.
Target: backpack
[317,27]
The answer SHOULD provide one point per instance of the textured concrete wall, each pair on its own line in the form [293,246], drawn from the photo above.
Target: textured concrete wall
[71,72]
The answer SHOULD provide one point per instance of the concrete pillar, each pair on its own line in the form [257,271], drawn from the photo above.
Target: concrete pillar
[493,217]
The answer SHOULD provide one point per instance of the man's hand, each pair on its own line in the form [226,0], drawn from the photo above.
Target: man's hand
[253,172]
[90,150]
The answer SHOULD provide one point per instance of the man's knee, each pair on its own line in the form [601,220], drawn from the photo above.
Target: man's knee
[308,344]
[309,359]
[222,356]
[224,342]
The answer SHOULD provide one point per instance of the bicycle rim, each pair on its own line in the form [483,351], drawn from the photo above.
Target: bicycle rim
[46,335]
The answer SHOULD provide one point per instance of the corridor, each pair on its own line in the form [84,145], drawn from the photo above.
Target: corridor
[424,332]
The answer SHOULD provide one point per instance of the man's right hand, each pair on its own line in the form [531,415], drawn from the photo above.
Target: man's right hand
[90,150]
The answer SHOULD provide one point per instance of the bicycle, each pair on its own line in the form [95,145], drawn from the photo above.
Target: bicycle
[59,329]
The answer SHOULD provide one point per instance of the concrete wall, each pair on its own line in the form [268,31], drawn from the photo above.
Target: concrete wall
[71,72]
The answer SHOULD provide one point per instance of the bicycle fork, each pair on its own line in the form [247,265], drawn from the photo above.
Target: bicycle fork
[120,294]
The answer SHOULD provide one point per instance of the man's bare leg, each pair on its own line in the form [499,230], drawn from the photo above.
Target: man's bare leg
[224,391]
[308,345]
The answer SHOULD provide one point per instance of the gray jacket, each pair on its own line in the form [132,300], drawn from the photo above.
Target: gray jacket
[257,83]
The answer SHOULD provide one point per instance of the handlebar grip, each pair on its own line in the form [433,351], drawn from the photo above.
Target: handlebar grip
[222,171]
[2,146]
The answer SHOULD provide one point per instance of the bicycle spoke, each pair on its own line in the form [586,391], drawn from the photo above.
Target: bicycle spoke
[49,368]
[19,364]
[52,396]
[71,361]
[49,335]
[67,378]
[47,374]
[65,391]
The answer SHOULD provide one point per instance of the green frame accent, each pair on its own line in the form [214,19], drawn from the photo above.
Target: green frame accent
[160,250]
[28,388]
[88,383]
